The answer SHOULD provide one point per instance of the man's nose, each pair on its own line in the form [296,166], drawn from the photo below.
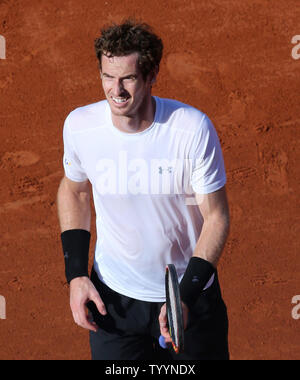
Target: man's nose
[118,87]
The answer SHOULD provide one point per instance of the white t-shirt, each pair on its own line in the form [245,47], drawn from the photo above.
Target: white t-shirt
[144,188]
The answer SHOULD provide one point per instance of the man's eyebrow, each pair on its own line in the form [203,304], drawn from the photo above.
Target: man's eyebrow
[130,76]
[107,75]
[125,77]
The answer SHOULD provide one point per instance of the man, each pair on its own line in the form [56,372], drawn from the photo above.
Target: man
[157,176]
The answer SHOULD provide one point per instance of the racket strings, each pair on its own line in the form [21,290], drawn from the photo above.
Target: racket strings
[174,308]
[174,333]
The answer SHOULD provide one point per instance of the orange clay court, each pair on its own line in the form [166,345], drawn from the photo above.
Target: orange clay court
[231,59]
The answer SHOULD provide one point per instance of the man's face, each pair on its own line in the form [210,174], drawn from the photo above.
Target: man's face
[123,84]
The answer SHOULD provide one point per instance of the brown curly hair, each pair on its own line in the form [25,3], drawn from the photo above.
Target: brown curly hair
[131,37]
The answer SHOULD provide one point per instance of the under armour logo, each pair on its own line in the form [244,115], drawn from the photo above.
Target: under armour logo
[66,255]
[169,169]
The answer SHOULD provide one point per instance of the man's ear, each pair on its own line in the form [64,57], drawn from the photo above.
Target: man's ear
[154,75]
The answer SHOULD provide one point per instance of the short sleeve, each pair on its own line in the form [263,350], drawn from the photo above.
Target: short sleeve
[71,163]
[208,172]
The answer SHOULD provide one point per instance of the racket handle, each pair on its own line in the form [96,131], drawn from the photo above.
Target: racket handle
[162,342]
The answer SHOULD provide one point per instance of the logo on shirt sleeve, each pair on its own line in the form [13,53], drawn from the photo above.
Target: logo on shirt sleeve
[67,162]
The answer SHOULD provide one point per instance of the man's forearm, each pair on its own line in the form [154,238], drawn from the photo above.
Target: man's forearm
[212,239]
[74,210]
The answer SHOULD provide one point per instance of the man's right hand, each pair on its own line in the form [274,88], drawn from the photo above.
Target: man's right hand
[82,290]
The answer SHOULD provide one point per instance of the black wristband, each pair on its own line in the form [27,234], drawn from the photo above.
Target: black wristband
[76,244]
[196,276]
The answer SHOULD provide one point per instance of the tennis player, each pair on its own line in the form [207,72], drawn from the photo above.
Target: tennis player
[156,172]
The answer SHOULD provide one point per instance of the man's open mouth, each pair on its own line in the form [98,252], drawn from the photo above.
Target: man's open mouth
[120,100]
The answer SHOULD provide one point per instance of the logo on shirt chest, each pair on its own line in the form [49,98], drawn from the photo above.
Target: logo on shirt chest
[162,170]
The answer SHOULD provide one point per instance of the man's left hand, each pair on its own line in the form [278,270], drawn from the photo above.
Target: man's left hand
[163,321]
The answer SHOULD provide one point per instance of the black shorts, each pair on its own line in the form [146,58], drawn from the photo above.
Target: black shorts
[130,330]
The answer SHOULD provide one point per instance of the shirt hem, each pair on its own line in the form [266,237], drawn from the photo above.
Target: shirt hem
[211,188]
[74,179]
[130,294]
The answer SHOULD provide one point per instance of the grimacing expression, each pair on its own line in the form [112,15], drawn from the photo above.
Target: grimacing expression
[123,84]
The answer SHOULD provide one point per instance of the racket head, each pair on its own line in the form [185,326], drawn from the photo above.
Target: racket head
[174,309]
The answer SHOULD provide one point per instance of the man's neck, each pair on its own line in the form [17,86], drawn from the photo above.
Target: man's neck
[138,122]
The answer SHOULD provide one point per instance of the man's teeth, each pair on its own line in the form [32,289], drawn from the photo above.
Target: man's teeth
[119,100]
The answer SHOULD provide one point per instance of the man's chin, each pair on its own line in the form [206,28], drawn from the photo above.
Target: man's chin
[119,111]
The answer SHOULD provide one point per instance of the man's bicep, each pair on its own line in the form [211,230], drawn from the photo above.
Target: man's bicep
[77,187]
[213,204]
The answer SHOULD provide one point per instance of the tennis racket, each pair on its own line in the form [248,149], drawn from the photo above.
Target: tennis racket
[174,309]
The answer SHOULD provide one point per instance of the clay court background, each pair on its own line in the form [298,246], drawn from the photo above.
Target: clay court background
[231,59]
